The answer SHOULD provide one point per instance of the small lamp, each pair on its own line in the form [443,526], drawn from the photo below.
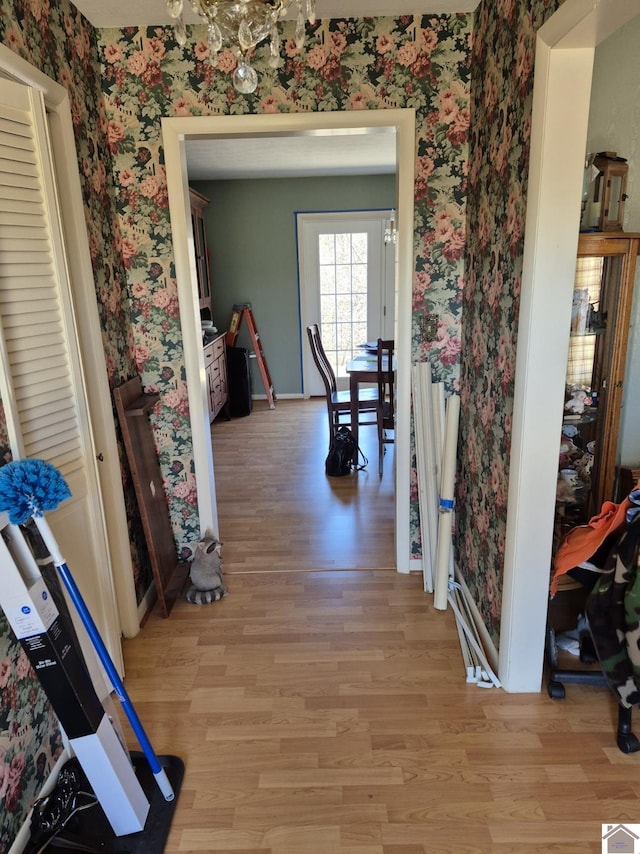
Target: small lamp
[609,191]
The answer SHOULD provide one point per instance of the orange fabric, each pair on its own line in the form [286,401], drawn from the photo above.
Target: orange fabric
[581,542]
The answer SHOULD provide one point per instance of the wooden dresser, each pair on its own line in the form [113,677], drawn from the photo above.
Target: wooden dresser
[215,363]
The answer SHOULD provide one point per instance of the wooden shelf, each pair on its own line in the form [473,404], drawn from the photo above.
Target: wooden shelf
[169,573]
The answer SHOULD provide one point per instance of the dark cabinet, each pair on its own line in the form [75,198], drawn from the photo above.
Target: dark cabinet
[198,205]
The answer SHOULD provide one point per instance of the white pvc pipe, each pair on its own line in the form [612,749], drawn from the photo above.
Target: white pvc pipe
[447,485]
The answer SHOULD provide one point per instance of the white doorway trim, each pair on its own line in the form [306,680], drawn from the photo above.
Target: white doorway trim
[562,91]
[106,461]
[175,131]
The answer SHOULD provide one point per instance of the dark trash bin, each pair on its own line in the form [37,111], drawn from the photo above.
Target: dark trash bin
[240,402]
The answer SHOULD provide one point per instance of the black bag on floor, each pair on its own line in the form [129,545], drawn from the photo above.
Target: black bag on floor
[343,454]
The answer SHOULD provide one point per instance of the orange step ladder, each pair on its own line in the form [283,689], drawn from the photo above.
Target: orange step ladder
[244,310]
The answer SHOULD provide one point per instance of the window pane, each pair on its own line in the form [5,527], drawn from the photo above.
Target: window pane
[343,296]
[326,249]
[359,248]
[359,277]
[343,248]
[327,279]
[343,279]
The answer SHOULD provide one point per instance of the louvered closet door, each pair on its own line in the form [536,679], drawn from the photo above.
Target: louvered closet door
[42,385]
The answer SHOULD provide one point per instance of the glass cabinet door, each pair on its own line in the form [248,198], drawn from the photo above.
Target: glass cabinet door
[600,316]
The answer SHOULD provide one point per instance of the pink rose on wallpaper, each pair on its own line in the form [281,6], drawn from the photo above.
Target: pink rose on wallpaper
[384,43]
[128,248]
[443,227]
[81,42]
[489,92]
[495,289]
[513,225]
[127,177]
[149,186]
[291,48]
[358,101]
[454,248]
[99,178]
[5,671]
[450,350]
[337,43]
[407,54]
[16,770]
[425,166]
[141,356]
[429,40]
[140,290]
[113,53]
[113,302]
[23,665]
[448,105]
[115,135]
[182,107]
[227,61]
[316,57]
[186,490]
[201,51]
[161,298]
[156,48]
[459,127]
[524,59]
[137,62]
[269,104]
[488,411]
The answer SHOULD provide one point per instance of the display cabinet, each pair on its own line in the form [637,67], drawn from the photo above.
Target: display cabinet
[198,205]
[600,318]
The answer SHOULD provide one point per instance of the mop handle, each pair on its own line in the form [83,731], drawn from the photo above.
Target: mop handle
[158,771]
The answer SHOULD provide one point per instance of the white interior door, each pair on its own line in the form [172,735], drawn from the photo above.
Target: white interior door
[41,380]
[346,286]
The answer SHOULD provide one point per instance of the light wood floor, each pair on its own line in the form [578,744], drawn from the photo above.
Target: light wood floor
[326,712]
[277,508]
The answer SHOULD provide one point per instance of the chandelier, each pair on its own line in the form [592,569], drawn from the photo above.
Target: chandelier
[241,25]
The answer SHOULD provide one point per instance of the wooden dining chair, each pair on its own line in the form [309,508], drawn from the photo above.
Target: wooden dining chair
[386,413]
[339,402]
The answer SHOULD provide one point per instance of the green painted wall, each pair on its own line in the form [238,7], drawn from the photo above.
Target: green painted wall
[251,233]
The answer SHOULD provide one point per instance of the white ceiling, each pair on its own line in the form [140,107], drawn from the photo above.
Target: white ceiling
[280,157]
[125,13]
[291,156]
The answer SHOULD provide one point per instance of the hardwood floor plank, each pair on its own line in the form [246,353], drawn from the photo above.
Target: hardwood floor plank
[327,712]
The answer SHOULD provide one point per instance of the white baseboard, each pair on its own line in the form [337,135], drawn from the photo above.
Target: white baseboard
[295,396]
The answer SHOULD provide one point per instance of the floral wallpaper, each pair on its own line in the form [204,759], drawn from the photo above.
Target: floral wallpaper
[30,740]
[56,39]
[356,64]
[501,96]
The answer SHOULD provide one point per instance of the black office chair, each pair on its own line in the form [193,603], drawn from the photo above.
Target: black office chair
[386,414]
[339,402]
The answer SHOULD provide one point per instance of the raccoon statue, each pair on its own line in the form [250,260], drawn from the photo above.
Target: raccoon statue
[206,573]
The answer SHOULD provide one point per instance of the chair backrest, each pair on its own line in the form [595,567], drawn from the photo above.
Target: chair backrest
[386,380]
[320,358]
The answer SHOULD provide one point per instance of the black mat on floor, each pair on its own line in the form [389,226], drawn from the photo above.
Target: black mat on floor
[90,831]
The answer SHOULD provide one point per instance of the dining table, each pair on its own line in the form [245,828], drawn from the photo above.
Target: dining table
[363,368]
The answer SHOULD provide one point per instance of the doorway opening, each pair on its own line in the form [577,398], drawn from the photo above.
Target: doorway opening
[176,132]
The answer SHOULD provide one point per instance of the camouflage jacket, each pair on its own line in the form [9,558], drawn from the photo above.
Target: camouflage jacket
[613,612]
